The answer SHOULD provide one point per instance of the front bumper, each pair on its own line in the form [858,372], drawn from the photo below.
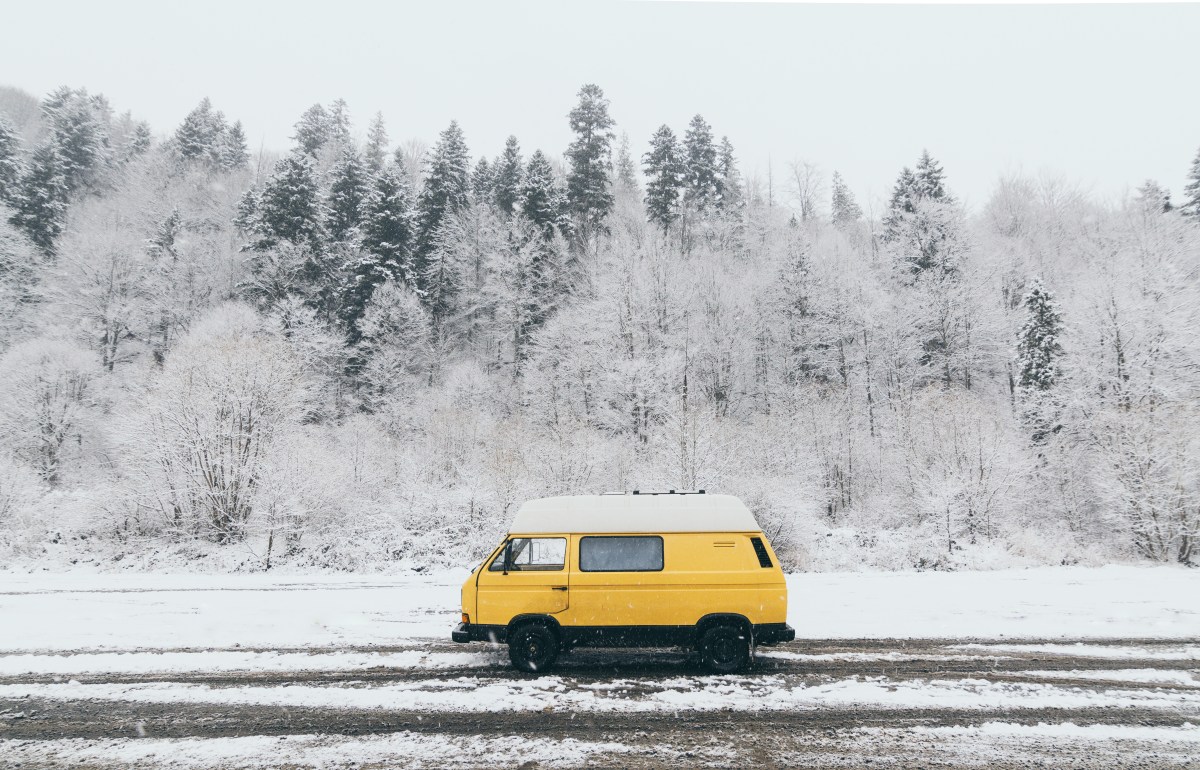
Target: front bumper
[474,632]
[773,633]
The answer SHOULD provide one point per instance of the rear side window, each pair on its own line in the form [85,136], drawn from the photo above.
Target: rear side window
[621,554]
[760,550]
[531,554]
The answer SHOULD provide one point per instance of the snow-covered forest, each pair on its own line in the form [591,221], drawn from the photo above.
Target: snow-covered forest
[362,353]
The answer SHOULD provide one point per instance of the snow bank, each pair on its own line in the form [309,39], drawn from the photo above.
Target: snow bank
[165,612]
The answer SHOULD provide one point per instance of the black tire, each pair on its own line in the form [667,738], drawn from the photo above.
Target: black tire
[533,648]
[726,649]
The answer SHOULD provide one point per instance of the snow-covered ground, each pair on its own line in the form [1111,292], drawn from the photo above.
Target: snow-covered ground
[128,612]
[1073,667]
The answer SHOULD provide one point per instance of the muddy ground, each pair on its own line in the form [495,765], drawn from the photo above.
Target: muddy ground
[849,736]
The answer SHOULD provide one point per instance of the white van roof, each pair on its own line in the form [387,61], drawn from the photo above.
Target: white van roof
[634,513]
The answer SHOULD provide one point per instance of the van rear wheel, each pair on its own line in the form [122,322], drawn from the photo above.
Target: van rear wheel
[726,649]
[533,648]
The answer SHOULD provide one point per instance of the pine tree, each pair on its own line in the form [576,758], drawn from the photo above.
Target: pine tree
[233,151]
[1038,348]
[140,140]
[441,275]
[845,209]
[1154,198]
[387,240]
[377,141]
[289,208]
[245,218]
[508,177]
[729,180]
[483,181]
[339,122]
[542,201]
[11,167]
[700,165]
[1038,355]
[445,192]
[42,203]
[1191,192]
[347,192]
[930,179]
[200,136]
[626,169]
[590,161]
[903,201]
[79,123]
[312,130]
[665,178]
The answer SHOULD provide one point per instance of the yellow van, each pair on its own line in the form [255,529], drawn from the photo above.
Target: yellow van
[629,570]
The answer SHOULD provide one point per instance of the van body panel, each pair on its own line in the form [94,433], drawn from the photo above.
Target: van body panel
[703,573]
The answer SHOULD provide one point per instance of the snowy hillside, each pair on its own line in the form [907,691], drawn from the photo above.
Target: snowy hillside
[361,353]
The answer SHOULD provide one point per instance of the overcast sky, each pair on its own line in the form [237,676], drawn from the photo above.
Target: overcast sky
[1102,95]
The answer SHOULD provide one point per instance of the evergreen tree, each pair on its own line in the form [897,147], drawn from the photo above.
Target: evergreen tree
[923,220]
[626,170]
[445,192]
[508,177]
[845,209]
[347,192]
[289,208]
[729,180]
[41,206]
[201,135]
[665,178]
[1191,192]
[700,165]
[377,141]
[483,181]
[441,274]
[542,201]
[903,201]
[1153,197]
[590,161]
[79,123]
[930,180]
[139,141]
[245,218]
[11,167]
[312,130]
[387,241]
[233,151]
[1038,355]
[339,122]
[1038,348]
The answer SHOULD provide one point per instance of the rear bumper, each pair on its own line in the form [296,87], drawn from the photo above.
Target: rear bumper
[773,633]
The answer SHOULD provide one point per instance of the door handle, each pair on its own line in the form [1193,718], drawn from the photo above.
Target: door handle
[558,588]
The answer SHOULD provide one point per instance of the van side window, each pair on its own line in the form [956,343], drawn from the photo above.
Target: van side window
[621,554]
[531,554]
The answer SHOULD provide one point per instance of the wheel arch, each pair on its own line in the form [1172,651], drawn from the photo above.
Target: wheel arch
[536,619]
[723,619]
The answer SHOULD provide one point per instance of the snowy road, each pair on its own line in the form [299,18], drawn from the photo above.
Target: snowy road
[229,673]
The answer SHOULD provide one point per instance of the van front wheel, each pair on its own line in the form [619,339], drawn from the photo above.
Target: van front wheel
[725,649]
[533,648]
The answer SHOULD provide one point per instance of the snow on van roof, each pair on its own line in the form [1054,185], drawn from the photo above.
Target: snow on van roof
[634,513]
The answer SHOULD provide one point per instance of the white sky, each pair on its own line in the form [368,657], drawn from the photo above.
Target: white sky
[1102,95]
